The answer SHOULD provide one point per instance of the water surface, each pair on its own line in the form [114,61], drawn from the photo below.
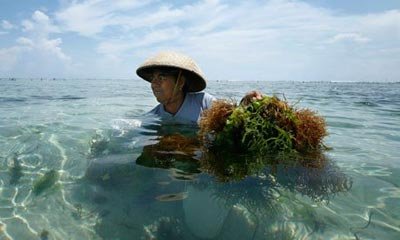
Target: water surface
[110,185]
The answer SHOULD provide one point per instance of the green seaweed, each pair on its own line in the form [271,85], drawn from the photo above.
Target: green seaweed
[268,125]
[45,182]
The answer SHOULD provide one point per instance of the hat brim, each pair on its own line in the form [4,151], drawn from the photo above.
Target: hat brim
[194,81]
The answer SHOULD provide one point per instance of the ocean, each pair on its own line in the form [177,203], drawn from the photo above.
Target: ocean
[79,160]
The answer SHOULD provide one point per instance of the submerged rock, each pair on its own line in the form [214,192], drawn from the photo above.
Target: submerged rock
[239,224]
[111,170]
[15,170]
[44,235]
[45,182]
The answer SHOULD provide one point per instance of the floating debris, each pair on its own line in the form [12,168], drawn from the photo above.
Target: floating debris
[172,197]
[45,182]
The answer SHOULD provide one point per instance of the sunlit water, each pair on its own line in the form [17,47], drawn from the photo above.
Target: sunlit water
[92,133]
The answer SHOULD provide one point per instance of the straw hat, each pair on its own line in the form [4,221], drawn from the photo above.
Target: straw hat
[195,79]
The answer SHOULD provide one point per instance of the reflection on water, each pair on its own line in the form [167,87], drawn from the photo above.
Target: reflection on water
[180,190]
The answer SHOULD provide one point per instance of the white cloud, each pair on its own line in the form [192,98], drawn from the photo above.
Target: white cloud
[40,27]
[91,17]
[7,25]
[350,37]
[384,27]
[25,42]
[112,47]
[40,23]
[40,17]
[27,25]
[52,46]
[36,47]
[162,24]
[252,23]
[9,57]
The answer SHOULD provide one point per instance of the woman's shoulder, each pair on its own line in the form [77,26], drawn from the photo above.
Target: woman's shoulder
[200,95]
[202,99]
[156,110]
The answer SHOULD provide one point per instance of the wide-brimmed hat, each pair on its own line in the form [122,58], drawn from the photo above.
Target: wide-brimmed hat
[195,79]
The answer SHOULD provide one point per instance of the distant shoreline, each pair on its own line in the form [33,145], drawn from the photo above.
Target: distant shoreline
[212,80]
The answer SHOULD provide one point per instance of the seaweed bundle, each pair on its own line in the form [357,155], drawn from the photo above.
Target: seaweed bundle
[268,125]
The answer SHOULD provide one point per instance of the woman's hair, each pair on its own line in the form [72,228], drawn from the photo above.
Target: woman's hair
[185,87]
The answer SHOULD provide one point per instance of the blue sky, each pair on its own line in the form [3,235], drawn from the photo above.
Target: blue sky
[294,40]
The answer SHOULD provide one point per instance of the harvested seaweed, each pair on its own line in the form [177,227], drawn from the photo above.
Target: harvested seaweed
[269,125]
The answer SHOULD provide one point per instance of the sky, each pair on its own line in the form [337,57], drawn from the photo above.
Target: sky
[263,40]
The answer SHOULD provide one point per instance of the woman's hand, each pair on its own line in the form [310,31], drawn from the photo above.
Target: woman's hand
[250,97]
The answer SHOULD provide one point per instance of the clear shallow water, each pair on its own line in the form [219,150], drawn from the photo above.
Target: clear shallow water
[93,134]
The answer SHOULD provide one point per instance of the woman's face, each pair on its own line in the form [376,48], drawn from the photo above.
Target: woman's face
[163,85]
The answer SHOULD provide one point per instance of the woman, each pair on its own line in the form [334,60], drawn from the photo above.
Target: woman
[177,82]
